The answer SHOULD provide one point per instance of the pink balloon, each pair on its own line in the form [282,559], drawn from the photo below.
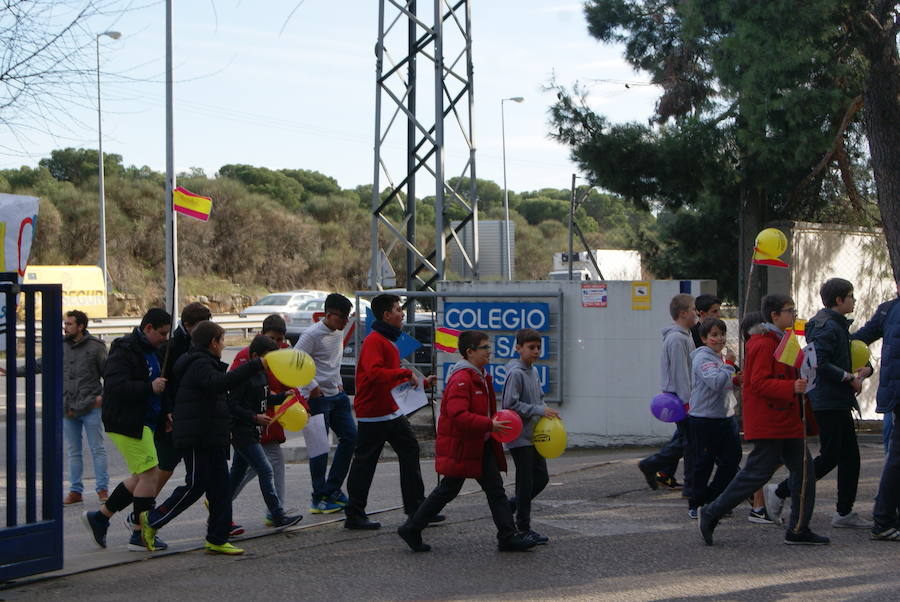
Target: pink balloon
[514,424]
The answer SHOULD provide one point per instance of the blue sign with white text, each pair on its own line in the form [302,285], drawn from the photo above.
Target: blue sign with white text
[504,347]
[498,375]
[497,316]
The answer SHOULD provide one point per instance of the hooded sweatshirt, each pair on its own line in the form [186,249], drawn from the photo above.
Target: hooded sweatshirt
[522,393]
[711,395]
[675,362]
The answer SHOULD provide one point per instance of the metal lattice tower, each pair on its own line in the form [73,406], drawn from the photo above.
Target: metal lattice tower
[441,40]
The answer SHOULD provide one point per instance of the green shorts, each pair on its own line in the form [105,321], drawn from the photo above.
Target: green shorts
[139,454]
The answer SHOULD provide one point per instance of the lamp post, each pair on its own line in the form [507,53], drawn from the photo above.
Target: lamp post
[115,35]
[505,190]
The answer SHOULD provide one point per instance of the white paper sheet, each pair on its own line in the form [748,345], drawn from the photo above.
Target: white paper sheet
[409,398]
[316,436]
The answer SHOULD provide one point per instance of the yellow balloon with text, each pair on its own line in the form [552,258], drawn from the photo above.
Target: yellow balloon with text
[771,242]
[859,354]
[549,437]
[294,418]
[292,368]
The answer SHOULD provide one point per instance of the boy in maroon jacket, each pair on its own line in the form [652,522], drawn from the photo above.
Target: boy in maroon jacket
[380,420]
[465,449]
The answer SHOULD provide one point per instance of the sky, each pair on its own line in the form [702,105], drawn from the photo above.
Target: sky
[292,85]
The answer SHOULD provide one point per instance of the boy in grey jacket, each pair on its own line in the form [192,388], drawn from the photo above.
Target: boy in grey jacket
[714,436]
[522,393]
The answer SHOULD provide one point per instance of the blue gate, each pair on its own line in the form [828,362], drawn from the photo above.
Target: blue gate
[31,541]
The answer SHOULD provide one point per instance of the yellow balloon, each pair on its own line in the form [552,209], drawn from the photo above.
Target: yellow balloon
[294,418]
[771,242]
[291,367]
[859,355]
[549,437]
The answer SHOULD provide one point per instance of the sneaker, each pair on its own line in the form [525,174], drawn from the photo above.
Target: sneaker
[339,498]
[760,517]
[667,481]
[888,534]
[805,538]
[774,504]
[102,496]
[268,520]
[97,524]
[136,543]
[225,548]
[287,521]
[148,533]
[706,524]
[519,542]
[692,513]
[649,475]
[539,539]
[325,506]
[235,530]
[73,498]
[128,521]
[851,520]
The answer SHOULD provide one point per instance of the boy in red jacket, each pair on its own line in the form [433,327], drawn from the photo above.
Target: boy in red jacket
[465,448]
[772,420]
[380,420]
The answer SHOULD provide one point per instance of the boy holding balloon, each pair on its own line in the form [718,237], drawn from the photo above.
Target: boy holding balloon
[465,448]
[202,425]
[248,403]
[523,394]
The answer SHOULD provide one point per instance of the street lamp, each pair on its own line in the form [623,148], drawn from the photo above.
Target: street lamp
[505,190]
[115,35]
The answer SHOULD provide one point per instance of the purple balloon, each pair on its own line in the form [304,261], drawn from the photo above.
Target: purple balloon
[667,407]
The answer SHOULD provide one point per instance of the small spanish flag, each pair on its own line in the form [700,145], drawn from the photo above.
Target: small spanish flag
[446,339]
[800,327]
[186,202]
[789,351]
[760,258]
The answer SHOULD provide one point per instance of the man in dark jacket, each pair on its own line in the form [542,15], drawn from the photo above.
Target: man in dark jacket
[833,400]
[885,324]
[202,423]
[169,456]
[132,389]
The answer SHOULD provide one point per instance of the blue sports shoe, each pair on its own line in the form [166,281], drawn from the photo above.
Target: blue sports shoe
[136,543]
[339,498]
[325,506]
[97,524]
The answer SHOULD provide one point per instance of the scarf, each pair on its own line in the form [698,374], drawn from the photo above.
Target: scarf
[386,330]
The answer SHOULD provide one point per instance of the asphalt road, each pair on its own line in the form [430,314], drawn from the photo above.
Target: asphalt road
[611,538]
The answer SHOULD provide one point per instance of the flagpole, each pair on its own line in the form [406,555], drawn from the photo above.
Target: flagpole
[801,514]
[171,220]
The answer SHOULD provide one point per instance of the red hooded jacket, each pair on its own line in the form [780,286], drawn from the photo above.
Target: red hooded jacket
[467,411]
[771,409]
[377,372]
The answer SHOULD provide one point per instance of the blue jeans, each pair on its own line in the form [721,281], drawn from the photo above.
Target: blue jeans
[254,456]
[888,497]
[887,429]
[93,428]
[338,418]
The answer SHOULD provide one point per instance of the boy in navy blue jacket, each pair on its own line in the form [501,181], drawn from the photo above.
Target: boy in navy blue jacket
[248,403]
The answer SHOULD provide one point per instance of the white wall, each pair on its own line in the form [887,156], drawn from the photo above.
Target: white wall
[611,357]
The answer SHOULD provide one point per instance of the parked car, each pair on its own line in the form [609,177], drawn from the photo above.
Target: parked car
[312,311]
[281,303]
[422,330]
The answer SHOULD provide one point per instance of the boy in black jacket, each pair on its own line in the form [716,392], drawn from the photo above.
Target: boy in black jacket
[247,404]
[202,424]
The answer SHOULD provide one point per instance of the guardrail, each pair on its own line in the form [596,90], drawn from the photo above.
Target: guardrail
[106,328]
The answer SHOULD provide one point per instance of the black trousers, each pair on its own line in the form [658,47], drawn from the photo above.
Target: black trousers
[371,437]
[666,459]
[715,443]
[491,483]
[531,478]
[837,448]
[206,471]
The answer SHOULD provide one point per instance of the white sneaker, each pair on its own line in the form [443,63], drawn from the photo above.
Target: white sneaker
[774,504]
[850,521]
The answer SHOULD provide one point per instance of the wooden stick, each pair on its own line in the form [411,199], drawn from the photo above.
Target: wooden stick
[801,514]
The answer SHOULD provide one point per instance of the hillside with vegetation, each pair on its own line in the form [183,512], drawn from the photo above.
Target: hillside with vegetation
[270,229]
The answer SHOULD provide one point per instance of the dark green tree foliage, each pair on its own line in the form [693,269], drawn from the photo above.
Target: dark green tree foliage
[284,189]
[753,97]
[78,165]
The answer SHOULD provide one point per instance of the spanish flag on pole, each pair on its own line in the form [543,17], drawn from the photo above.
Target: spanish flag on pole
[186,202]
[789,351]
[760,258]
[446,339]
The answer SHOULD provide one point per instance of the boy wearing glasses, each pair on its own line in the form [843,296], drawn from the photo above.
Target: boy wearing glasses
[465,449]
[833,401]
[772,394]
[324,342]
